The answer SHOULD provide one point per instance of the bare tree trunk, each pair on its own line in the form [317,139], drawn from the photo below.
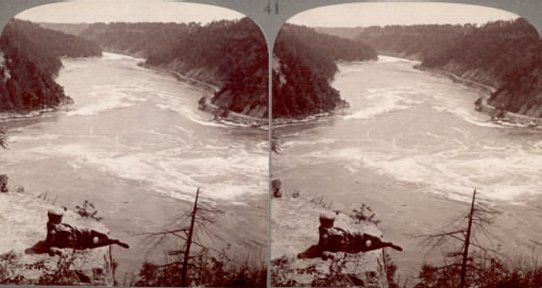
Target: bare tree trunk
[467,243]
[184,272]
[112,265]
[3,137]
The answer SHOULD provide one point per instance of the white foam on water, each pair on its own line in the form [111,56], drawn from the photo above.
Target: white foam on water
[114,56]
[452,172]
[31,138]
[349,67]
[391,59]
[459,101]
[175,103]
[474,118]
[384,100]
[296,143]
[95,109]
[188,133]
[203,122]
[74,64]
[175,172]
[103,98]
[538,146]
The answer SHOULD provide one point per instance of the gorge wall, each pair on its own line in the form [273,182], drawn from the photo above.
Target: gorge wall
[29,62]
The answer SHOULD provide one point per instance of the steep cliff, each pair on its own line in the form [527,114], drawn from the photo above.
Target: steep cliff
[304,67]
[29,62]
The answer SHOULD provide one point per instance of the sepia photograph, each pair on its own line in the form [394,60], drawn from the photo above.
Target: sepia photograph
[406,148]
[134,146]
[161,143]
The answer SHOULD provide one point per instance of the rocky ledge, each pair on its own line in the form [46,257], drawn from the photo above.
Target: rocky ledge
[23,259]
[294,230]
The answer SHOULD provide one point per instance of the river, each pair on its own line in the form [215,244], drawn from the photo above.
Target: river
[412,147]
[135,144]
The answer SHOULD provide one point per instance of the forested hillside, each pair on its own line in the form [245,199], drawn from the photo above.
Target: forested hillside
[416,42]
[137,39]
[504,54]
[343,32]
[29,62]
[305,66]
[68,28]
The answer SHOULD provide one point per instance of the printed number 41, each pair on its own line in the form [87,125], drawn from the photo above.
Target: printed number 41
[268,8]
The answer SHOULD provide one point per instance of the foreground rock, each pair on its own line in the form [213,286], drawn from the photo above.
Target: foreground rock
[22,258]
[294,229]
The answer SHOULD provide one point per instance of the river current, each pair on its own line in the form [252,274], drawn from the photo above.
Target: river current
[135,144]
[412,147]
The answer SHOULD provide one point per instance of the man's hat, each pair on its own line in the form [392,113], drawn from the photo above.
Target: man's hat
[55,214]
[327,219]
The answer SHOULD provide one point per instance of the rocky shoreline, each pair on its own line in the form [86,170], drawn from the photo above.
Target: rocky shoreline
[497,115]
[7,116]
[205,104]
[229,117]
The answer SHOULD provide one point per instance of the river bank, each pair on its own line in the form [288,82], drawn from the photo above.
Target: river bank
[205,103]
[9,116]
[12,116]
[499,116]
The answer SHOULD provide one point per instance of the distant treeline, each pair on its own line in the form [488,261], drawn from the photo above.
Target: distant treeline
[417,42]
[304,66]
[506,55]
[29,62]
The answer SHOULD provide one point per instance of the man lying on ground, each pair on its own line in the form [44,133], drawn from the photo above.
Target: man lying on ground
[335,239]
[61,235]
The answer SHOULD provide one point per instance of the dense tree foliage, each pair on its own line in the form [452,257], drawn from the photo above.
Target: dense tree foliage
[492,273]
[236,54]
[343,32]
[305,66]
[503,54]
[139,39]
[416,41]
[497,48]
[29,62]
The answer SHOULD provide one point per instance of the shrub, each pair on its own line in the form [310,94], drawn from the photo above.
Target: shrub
[87,210]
